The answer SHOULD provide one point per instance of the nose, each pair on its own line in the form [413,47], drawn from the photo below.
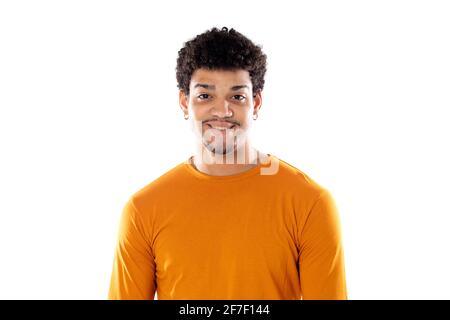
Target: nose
[221,109]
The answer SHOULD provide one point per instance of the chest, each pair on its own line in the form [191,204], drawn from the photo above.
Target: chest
[239,235]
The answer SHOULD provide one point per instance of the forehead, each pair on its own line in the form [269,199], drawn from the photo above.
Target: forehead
[221,77]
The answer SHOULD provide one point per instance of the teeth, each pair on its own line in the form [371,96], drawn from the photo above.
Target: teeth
[222,128]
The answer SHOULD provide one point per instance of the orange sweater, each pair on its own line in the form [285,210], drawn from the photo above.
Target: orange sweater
[190,235]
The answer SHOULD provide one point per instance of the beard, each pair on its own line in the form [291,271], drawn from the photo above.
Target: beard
[223,144]
[221,148]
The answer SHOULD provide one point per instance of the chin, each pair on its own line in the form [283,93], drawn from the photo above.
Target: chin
[220,150]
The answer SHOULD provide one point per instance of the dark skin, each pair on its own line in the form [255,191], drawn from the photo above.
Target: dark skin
[221,105]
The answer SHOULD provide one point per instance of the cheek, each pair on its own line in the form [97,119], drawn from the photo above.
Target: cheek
[198,111]
[244,119]
[197,115]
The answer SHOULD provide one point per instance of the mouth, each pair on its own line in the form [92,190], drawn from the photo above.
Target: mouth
[217,127]
[221,125]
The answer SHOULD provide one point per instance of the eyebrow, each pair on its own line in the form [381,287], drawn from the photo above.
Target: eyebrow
[213,87]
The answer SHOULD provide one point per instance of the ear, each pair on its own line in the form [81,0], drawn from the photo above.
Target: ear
[257,101]
[183,100]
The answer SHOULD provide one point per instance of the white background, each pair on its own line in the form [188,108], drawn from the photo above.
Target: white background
[356,96]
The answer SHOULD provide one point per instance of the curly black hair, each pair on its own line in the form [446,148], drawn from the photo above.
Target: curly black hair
[221,50]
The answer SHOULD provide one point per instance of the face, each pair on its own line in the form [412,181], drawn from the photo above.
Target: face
[221,105]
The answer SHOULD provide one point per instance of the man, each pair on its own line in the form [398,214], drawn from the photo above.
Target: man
[230,222]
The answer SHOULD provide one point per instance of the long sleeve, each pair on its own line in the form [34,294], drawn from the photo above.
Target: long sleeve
[321,261]
[133,274]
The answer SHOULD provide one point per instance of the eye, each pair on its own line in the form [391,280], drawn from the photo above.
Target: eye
[241,97]
[203,94]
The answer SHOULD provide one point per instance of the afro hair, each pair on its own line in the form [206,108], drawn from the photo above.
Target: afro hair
[221,50]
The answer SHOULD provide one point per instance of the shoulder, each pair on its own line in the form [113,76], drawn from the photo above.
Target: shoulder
[159,189]
[295,178]
[304,192]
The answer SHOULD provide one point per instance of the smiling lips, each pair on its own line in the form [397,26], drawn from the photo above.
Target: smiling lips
[221,125]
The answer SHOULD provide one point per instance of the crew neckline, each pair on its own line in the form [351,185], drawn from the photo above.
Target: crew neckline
[233,177]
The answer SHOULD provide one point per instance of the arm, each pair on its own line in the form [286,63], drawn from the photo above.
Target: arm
[321,261]
[133,274]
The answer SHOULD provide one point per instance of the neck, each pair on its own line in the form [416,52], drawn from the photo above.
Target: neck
[235,162]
